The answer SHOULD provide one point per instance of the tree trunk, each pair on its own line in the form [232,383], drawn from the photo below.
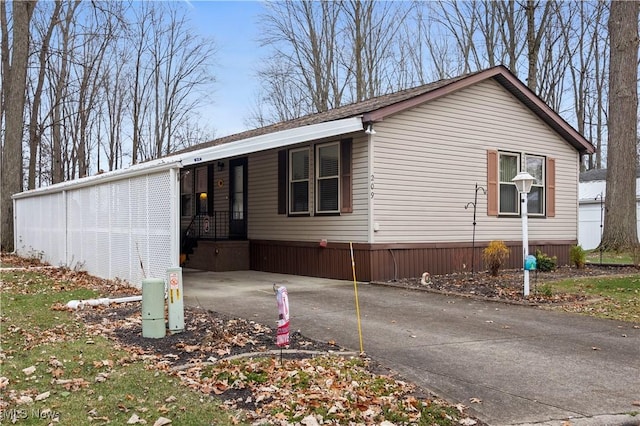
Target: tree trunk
[14,125]
[35,136]
[620,224]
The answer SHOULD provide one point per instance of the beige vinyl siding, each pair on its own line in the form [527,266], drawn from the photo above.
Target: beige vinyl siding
[427,160]
[264,222]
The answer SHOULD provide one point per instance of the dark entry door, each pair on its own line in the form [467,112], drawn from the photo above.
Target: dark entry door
[238,198]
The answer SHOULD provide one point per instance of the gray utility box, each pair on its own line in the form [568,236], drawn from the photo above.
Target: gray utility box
[153,323]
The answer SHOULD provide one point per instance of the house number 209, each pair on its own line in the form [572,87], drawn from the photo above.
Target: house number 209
[373,185]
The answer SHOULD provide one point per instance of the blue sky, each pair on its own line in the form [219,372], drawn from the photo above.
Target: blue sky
[234,27]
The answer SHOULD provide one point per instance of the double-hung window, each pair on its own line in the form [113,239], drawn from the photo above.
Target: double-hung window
[328,178]
[534,165]
[316,179]
[299,181]
[509,166]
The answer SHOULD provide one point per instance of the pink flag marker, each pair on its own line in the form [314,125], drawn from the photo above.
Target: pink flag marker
[282,297]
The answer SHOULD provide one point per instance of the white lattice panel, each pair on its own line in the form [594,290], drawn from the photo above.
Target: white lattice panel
[40,228]
[119,229]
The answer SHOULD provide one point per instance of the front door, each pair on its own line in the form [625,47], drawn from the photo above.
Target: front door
[238,198]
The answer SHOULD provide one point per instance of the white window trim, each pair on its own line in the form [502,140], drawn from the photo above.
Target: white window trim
[318,178]
[291,181]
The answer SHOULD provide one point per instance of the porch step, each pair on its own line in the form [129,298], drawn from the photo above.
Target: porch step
[219,256]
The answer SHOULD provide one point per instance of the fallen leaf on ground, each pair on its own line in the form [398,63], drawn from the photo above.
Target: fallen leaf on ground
[29,370]
[43,396]
[475,400]
[162,421]
[133,419]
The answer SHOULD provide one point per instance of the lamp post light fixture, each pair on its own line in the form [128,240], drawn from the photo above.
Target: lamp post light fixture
[523,182]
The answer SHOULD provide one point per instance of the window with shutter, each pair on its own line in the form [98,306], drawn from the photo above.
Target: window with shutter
[502,196]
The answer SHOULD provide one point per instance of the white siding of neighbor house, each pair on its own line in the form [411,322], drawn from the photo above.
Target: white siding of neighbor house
[427,160]
[591,212]
[264,222]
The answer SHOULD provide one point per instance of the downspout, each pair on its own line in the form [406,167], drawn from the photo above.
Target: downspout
[370,154]
[65,211]
[80,304]
[15,226]
[371,202]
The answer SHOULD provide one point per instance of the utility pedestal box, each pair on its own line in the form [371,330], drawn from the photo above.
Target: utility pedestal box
[153,324]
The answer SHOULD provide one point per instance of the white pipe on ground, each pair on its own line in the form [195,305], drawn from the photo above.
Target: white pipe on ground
[80,304]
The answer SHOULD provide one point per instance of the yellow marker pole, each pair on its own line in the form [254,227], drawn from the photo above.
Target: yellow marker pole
[355,287]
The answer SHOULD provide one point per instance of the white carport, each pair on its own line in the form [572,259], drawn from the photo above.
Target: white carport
[126,224]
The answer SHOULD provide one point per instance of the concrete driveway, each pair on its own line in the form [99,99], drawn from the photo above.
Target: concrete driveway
[525,364]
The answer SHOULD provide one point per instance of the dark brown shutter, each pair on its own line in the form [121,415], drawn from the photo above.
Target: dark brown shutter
[492,183]
[551,187]
[282,181]
[345,176]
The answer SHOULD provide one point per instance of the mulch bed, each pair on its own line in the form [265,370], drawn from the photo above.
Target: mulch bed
[207,337]
[508,285]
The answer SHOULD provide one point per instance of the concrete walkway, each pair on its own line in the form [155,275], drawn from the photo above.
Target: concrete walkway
[526,365]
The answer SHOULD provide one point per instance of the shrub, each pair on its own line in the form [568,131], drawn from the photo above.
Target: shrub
[544,262]
[577,256]
[494,256]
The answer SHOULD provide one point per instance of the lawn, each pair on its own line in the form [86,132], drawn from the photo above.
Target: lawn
[610,297]
[54,367]
[610,258]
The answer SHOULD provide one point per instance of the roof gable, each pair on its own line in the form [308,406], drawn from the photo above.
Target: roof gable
[378,108]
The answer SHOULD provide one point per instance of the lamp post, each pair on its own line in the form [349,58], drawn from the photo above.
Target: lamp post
[523,182]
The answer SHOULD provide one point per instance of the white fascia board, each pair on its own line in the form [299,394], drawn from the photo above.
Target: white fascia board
[274,140]
[129,172]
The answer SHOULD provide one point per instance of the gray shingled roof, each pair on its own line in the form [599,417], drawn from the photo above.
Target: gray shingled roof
[593,175]
[598,174]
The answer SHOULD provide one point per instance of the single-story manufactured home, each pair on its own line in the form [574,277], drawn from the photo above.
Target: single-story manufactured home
[394,176]
[592,196]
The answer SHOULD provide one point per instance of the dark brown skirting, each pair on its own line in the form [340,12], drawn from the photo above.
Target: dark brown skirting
[383,262]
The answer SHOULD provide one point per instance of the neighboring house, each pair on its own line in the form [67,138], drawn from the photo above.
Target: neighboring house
[392,175]
[593,193]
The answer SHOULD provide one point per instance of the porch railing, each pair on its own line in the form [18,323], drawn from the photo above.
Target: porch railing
[215,227]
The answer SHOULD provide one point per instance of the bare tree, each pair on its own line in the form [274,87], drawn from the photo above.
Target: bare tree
[60,87]
[585,38]
[172,70]
[326,54]
[14,92]
[620,223]
[35,125]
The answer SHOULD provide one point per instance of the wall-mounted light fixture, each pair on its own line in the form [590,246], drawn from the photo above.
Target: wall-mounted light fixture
[370,130]
[220,166]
